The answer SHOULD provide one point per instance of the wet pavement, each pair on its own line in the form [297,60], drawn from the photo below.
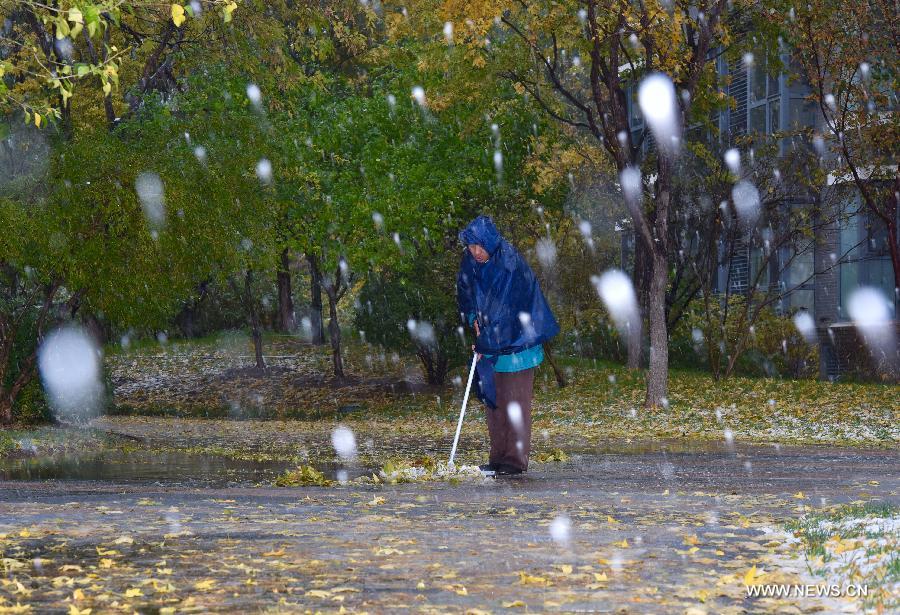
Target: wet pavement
[144,467]
[627,527]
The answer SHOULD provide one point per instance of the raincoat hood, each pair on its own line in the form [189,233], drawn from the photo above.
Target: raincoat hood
[481,231]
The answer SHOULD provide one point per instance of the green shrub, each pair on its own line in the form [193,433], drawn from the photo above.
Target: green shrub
[769,346]
[595,337]
[31,404]
[390,302]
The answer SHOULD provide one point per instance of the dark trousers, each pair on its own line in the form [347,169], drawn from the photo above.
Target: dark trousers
[511,440]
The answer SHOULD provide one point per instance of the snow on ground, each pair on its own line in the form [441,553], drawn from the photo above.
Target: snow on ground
[854,551]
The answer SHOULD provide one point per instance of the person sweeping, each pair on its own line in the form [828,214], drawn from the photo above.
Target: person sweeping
[499,297]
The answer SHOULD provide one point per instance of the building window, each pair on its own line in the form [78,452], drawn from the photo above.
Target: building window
[635,115]
[876,236]
[865,261]
[764,101]
[758,80]
[800,280]
[758,120]
[774,115]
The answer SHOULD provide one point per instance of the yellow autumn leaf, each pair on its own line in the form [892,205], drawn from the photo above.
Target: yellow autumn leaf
[751,575]
[622,544]
[513,604]
[74,610]
[799,495]
[610,520]
[565,568]
[178,15]
[527,579]
[133,592]
[228,10]
[376,501]
[106,562]
[163,588]
[600,576]
[102,551]
[318,593]
[840,546]
[78,594]
[387,551]
[420,585]
[206,584]
[123,540]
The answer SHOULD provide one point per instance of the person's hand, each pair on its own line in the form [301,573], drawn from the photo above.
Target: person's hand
[477,354]
[477,329]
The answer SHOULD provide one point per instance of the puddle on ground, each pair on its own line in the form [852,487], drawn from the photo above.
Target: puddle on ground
[174,468]
[156,467]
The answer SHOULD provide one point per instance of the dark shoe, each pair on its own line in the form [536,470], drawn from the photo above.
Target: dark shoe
[505,470]
[488,470]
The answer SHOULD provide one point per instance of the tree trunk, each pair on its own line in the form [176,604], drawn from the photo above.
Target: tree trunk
[634,344]
[643,265]
[334,333]
[443,361]
[286,322]
[26,366]
[318,330]
[5,409]
[658,375]
[254,321]
[560,377]
[895,252]
[435,363]
[9,394]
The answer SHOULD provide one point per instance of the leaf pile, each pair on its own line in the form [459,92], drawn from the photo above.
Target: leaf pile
[303,475]
[425,469]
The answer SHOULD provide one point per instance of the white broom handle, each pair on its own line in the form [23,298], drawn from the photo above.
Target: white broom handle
[462,412]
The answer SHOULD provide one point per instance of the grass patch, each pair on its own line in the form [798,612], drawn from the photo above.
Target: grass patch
[603,399]
[856,544]
[52,440]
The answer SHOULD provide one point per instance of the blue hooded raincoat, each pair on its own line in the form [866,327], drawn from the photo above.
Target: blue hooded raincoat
[505,297]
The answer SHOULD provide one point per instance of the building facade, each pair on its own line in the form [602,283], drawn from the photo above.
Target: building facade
[846,253]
